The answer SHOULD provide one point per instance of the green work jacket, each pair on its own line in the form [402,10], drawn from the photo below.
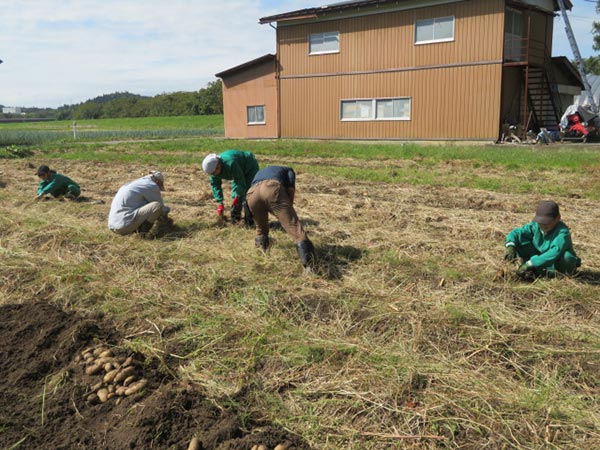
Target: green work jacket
[239,167]
[57,185]
[551,246]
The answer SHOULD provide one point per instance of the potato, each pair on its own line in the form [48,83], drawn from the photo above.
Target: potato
[194,444]
[105,360]
[111,388]
[118,400]
[93,369]
[136,387]
[92,398]
[110,395]
[127,362]
[87,356]
[98,350]
[106,354]
[120,390]
[262,447]
[281,447]
[124,373]
[103,394]
[97,386]
[110,376]
[108,367]
[129,379]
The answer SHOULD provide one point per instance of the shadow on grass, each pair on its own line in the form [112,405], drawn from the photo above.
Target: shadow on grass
[276,225]
[333,260]
[588,277]
[177,231]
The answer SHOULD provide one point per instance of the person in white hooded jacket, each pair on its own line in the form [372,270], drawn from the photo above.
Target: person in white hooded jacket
[138,205]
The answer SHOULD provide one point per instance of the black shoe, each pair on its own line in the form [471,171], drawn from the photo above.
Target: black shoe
[306,251]
[262,242]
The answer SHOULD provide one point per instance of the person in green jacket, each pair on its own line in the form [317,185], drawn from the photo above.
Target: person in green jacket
[56,184]
[237,166]
[544,245]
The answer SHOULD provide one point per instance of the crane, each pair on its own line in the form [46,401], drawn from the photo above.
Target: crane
[578,59]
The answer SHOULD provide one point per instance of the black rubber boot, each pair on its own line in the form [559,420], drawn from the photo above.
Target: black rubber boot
[248,219]
[306,251]
[262,242]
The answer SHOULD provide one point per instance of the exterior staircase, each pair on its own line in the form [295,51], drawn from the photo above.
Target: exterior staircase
[543,103]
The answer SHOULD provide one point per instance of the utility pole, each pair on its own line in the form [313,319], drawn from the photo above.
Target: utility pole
[577,55]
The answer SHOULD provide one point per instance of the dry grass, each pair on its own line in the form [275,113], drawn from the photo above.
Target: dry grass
[405,339]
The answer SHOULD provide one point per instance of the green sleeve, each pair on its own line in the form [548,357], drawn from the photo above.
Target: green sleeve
[520,235]
[215,184]
[41,187]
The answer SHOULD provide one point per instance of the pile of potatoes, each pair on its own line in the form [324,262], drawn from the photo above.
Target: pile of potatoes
[120,374]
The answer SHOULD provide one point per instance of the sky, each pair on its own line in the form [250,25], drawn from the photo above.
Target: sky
[61,52]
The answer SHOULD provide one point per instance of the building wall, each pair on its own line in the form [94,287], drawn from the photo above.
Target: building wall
[252,86]
[454,86]
[386,41]
[449,103]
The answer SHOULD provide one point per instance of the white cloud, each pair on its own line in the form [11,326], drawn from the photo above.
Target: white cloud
[66,51]
[59,52]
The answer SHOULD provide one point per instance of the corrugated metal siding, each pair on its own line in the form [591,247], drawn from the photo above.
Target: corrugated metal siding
[386,41]
[449,103]
[253,86]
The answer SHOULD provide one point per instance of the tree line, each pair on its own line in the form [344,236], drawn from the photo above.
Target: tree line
[592,64]
[208,100]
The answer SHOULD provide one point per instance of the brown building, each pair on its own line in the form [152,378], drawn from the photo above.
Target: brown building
[399,69]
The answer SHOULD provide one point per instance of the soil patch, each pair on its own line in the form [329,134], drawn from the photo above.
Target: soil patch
[45,391]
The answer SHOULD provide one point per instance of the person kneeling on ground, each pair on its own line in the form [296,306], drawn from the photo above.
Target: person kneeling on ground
[237,166]
[544,245]
[55,184]
[272,190]
[138,206]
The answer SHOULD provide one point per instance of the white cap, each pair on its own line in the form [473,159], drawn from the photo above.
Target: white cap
[158,179]
[210,163]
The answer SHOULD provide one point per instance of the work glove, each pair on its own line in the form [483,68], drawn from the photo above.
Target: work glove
[236,210]
[524,270]
[220,209]
[510,253]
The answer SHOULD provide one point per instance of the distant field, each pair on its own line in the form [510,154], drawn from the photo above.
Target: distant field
[110,129]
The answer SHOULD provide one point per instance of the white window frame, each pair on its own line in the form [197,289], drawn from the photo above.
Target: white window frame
[374,109]
[434,40]
[253,107]
[323,35]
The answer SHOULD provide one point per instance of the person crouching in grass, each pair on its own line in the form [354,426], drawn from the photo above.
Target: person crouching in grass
[56,184]
[544,245]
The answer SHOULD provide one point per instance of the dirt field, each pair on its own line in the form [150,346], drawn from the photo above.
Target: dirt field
[406,337]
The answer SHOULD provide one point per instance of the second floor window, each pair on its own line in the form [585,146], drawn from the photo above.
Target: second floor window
[320,43]
[440,29]
[256,114]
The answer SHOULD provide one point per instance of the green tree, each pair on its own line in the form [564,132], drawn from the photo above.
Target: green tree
[596,29]
[210,99]
[591,65]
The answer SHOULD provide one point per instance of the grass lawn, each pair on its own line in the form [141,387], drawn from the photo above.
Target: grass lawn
[407,337]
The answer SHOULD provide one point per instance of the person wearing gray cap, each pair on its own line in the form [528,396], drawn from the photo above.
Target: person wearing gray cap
[237,166]
[544,245]
[55,184]
[138,206]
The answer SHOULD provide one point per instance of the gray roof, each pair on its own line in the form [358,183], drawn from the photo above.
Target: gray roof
[318,11]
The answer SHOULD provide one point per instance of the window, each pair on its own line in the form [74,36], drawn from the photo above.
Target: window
[320,43]
[440,29]
[256,114]
[376,109]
